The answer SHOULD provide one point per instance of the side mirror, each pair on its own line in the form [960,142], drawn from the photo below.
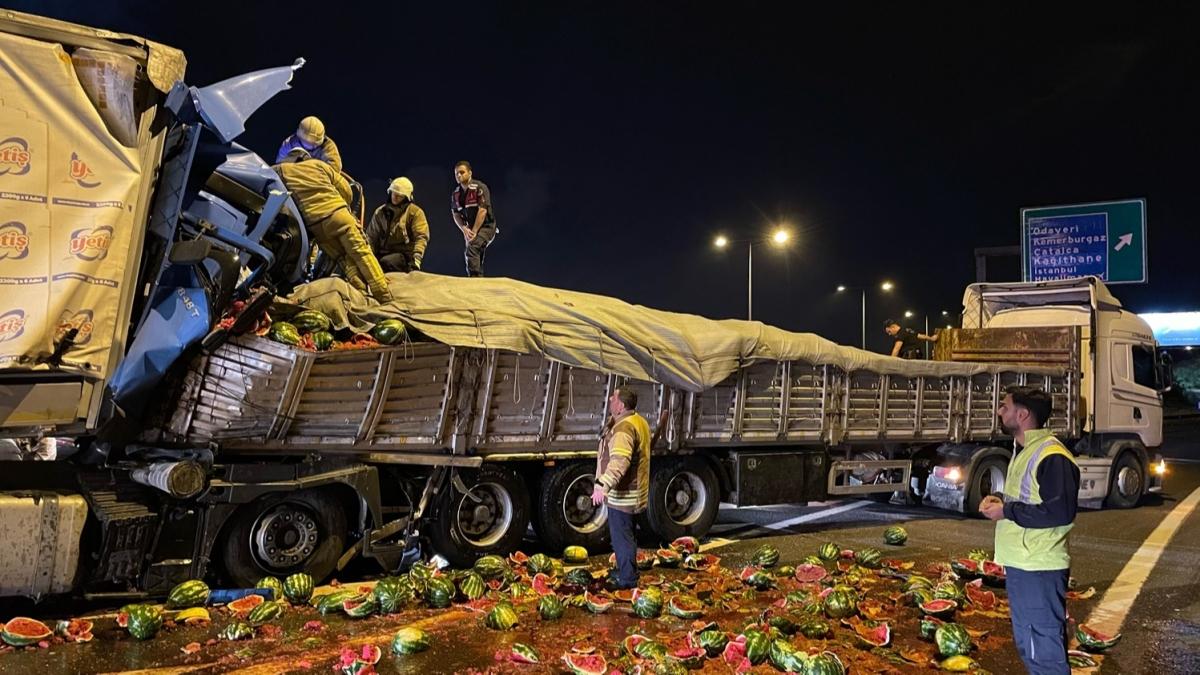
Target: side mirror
[191,252]
[1166,374]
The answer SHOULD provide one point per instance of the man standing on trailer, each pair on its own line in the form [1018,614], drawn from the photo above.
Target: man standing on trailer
[1033,516]
[623,478]
[471,208]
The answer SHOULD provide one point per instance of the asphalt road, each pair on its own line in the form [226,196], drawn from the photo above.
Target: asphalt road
[1161,630]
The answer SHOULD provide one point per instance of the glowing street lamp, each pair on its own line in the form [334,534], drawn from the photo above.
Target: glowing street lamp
[720,241]
[885,286]
[780,238]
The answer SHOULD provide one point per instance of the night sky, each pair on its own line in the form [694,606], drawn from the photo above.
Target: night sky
[619,139]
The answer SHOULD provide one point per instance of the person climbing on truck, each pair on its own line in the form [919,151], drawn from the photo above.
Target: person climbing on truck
[906,346]
[310,135]
[399,232]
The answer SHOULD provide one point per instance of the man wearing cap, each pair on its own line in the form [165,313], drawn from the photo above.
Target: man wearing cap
[398,231]
[310,135]
[471,207]
[323,196]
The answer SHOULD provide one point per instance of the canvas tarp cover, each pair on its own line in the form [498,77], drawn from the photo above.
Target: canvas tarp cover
[592,331]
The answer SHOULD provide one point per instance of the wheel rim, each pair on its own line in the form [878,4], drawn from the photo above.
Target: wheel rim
[1129,481]
[991,480]
[484,522]
[285,536]
[685,498]
[578,511]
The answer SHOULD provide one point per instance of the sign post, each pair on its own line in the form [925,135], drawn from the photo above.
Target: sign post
[1105,239]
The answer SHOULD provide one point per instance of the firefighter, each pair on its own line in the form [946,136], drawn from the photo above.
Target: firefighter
[398,232]
[310,135]
[323,196]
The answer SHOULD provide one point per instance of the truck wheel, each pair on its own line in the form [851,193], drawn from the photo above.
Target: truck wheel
[1128,480]
[491,518]
[282,534]
[683,498]
[987,478]
[565,515]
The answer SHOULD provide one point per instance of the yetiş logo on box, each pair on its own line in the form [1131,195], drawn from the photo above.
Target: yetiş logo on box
[12,324]
[81,173]
[14,240]
[14,156]
[81,320]
[91,243]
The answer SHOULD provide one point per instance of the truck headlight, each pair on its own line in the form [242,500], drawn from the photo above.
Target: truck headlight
[954,475]
[1161,468]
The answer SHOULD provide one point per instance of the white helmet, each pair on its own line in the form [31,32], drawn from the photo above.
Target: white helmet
[311,131]
[402,186]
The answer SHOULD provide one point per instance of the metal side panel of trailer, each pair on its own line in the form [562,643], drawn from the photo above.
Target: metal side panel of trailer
[429,403]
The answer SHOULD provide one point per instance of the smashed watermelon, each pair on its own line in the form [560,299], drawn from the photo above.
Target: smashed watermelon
[585,664]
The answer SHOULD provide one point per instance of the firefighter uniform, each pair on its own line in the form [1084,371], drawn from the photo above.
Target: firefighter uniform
[323,197]
[399,233]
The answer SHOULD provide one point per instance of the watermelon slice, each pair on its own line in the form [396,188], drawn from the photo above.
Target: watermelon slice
[585,664]
[965,567]
[686,544]
[980,598]
[690,657]
[624,595]
[630,643]
[518,558]
[845,565]
[596,604]
[873,634]
[1093,640]
[22,631]
[245,604]
[747,572]
[542,584]
[940,608]
[810,573]
[523,653]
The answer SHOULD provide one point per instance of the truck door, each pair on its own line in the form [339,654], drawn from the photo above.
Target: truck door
[1135,405]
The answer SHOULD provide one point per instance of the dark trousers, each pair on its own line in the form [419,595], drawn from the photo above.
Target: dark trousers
[1038,601]
[395,262]
[620,528]
[477,249]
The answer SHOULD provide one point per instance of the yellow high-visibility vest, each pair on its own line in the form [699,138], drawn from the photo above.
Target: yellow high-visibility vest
[1032,548]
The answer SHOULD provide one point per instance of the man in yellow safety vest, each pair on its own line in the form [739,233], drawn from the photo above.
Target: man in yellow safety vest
[1033,516]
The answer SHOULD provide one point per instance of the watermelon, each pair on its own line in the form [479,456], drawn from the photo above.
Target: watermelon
[785,571]
[550,607]
[958,664]
[391,594]
[815,628]
[585,664]
[929,626]
[284,333]
[1078,659]
[765,556]
[785,657]
[993,574]
[245,603]
[439,592]
[267,611]
[686,545]
[825,663]
[895,536]
[965,567]
[952,639]
[840,603]
[647,602]
[734,654]
[518,558]
[389,331]
[490,567]
[575,554]
[829,551]
[781,622]
[760,580]
[191,593]
[690,657]
[939,608]
[596,604]
[1093,640]
[758,646]
[979,555]
[645,648]
[237,630]
[980,598]
[471,585]
[272,584]
[322,340]
[311,321]
[523,653]
[810,573]
[538,562]
[23,631]
[916,581]
[579,576]
[668,557]
[868,557]
[74,630]
[144,621]
[363,606]
[542,584]
[873,634]
[409,641]
[685,607]
[332,602]
[298,588]
[712,641]
[502,617]
[193,616]
[948,590]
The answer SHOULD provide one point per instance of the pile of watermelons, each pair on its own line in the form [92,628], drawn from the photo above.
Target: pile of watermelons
[312,330]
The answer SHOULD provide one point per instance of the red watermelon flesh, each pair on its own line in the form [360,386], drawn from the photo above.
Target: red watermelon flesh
[518,558]
[585,664]
[938,607]
[371,654]
[624,595]
[845,565]
[747,572]
[979,597]
[630,643]
[243,605]
[541,584]
[992,569]
[876,636]
[847,553]
[735,651]
[825,592]
[968,564]
[691,656]
[810,573]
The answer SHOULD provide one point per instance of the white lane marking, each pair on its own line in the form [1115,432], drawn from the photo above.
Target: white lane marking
[716,542]
[808,518]
[1181,460]
[1109,615]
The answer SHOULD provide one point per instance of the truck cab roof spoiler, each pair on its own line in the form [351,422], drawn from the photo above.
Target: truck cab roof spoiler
[984,300]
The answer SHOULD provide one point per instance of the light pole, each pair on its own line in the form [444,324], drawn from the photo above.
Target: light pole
[779,238]
[885,286]
[908,314]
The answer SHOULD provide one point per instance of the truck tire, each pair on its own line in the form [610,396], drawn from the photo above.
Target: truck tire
[565,515]
[466,529]
[683,500]
[285,533]
[1127,482]
[987,477]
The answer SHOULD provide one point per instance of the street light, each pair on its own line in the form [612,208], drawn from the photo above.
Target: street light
[779,238]
[885,286]
[908,314]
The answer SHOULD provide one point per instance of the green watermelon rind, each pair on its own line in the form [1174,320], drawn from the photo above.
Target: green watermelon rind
[952,639]
[28,637]
[190,593]
[298,588]
[144,621]
[268,611]
[311,321]
[409,640]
